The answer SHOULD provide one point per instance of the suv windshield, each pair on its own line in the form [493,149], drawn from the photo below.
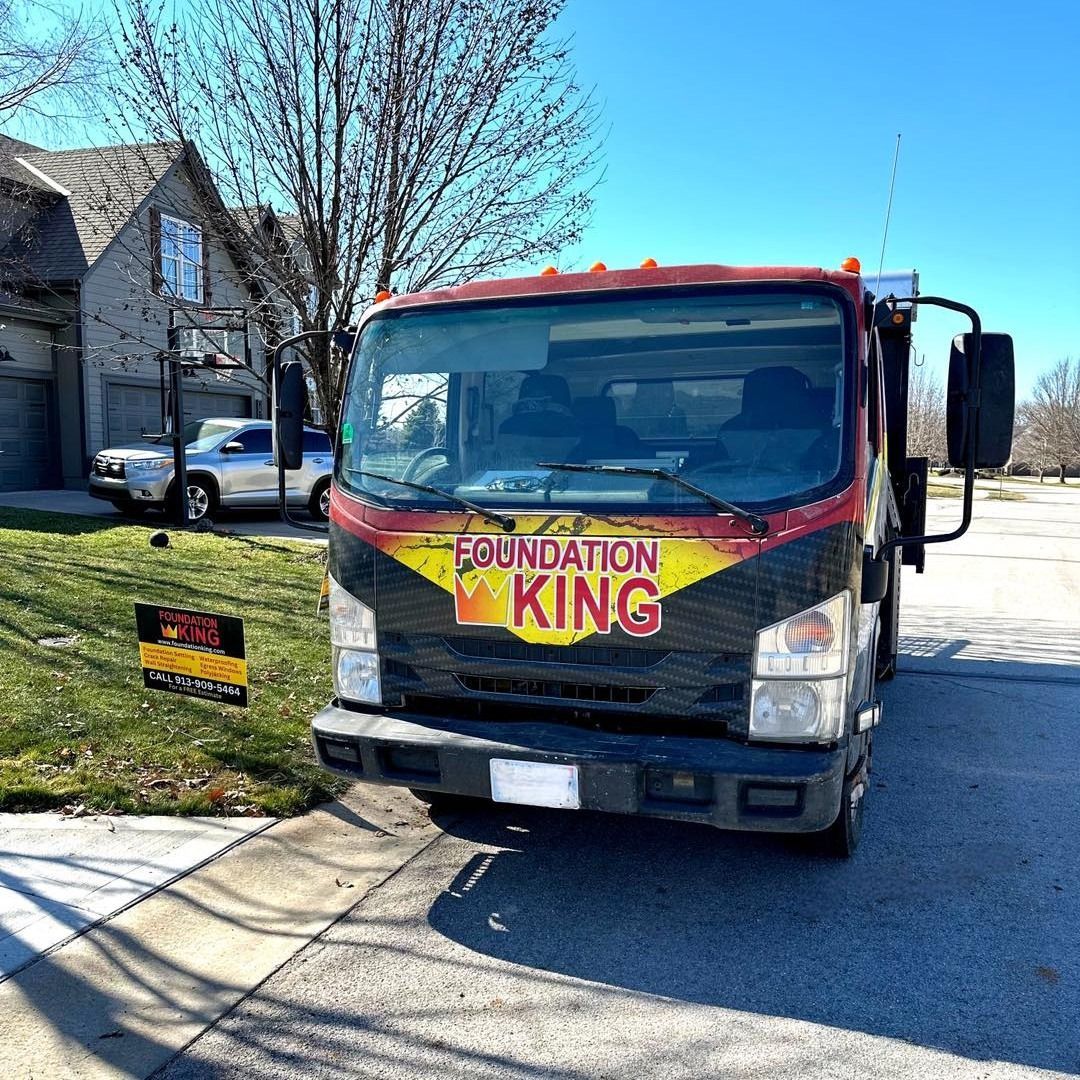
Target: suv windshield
[201,434]
[740,392]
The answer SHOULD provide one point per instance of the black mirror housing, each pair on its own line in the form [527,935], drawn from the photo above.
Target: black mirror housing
[875,579]
[291,405]
[992,428]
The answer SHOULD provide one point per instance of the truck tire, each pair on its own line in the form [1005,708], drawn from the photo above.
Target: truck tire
[842,837]
[889,617]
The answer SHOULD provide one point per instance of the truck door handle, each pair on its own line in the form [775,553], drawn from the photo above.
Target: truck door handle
[270,462]
[317,461]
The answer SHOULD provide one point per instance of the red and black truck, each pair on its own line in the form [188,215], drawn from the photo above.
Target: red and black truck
[631,540]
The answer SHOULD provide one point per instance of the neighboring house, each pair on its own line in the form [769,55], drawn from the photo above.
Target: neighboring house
[107,257]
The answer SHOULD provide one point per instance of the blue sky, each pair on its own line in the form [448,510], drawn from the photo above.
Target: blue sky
[764,133]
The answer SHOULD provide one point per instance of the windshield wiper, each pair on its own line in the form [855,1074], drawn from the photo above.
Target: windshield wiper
[504,521]
[758,525]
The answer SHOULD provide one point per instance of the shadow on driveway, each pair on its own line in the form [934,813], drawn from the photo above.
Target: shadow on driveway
[953,928]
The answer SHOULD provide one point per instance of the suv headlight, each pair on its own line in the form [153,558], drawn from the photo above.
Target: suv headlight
[149,464]
[799,690]
[355,655]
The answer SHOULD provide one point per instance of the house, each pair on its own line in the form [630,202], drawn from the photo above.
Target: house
[109,257]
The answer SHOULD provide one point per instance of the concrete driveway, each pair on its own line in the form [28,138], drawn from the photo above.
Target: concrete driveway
[526,944]
[240,522]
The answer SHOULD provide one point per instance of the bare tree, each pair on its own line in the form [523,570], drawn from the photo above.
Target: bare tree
[926,417]
[1028,450]
[46,58]
[403,145]
[1051,417]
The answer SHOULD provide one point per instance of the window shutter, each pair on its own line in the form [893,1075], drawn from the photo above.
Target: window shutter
[155,250]
[207,296]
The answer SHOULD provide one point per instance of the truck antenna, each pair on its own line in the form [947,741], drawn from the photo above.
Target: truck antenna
[888,215]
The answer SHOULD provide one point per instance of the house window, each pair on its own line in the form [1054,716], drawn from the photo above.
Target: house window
[181,259]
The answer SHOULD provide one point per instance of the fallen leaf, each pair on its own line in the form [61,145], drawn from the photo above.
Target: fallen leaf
[343,884]
[118,1034]
[1051,975]
[216,794]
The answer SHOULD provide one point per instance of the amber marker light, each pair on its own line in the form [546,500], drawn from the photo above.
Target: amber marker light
[548,271]
[897,318]
[649,264]
[382,295]
[851,264]
[597,267]
[808,633]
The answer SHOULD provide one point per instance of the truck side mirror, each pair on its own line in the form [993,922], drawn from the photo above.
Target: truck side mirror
[993,423]
[290,406]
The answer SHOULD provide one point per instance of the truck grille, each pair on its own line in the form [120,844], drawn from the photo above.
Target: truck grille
[588,655]
[603,693]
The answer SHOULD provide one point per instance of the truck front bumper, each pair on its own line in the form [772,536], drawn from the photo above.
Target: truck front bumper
[716,781]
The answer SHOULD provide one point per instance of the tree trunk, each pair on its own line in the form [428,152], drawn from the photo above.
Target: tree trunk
[1061,474]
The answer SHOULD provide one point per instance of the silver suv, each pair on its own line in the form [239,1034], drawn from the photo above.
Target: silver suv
[229,464]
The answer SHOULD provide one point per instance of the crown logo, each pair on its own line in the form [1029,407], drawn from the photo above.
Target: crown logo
[482,606]
[168,631]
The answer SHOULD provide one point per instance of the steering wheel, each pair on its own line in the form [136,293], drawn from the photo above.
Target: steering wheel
[412,470]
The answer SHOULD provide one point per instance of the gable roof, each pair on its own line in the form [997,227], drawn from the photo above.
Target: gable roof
[105,186]
[12,173]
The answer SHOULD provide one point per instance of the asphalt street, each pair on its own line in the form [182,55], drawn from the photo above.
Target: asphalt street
[525,944]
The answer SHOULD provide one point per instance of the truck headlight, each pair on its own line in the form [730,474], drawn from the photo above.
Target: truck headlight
[812,644]
[355,655]
[799,690]
[356,676]
[807,710]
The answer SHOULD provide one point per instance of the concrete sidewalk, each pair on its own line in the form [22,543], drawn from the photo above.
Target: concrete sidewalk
[240,522]
[59,876]
[122,998]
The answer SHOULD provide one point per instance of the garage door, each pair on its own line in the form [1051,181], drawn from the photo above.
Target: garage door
[27,453]
[134,411]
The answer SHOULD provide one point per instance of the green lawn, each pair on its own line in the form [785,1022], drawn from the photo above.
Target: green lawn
[77,728]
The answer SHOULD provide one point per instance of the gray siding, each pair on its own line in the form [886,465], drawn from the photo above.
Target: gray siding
[125,325]
[29,343]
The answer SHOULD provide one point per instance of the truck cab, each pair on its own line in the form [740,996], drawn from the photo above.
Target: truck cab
[602,541]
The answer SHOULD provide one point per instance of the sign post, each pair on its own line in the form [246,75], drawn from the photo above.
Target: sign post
[195,653]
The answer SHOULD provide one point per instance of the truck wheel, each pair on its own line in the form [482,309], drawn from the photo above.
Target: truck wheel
[889,614]
[841,838]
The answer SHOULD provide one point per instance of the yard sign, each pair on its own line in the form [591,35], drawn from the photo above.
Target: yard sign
[196,653]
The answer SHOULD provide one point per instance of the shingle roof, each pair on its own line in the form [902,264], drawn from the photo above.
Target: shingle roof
[106,185]
[14,173]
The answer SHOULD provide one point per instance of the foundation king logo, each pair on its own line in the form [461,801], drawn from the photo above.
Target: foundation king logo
[549,588]
[189,628]
[560,587]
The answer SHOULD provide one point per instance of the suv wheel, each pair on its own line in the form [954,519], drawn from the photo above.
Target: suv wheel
[202,499]
[319,503]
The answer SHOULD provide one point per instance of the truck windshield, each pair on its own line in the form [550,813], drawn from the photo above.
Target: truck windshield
[742,393]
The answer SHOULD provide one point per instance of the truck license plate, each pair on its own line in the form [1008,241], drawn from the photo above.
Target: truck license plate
[534,783]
